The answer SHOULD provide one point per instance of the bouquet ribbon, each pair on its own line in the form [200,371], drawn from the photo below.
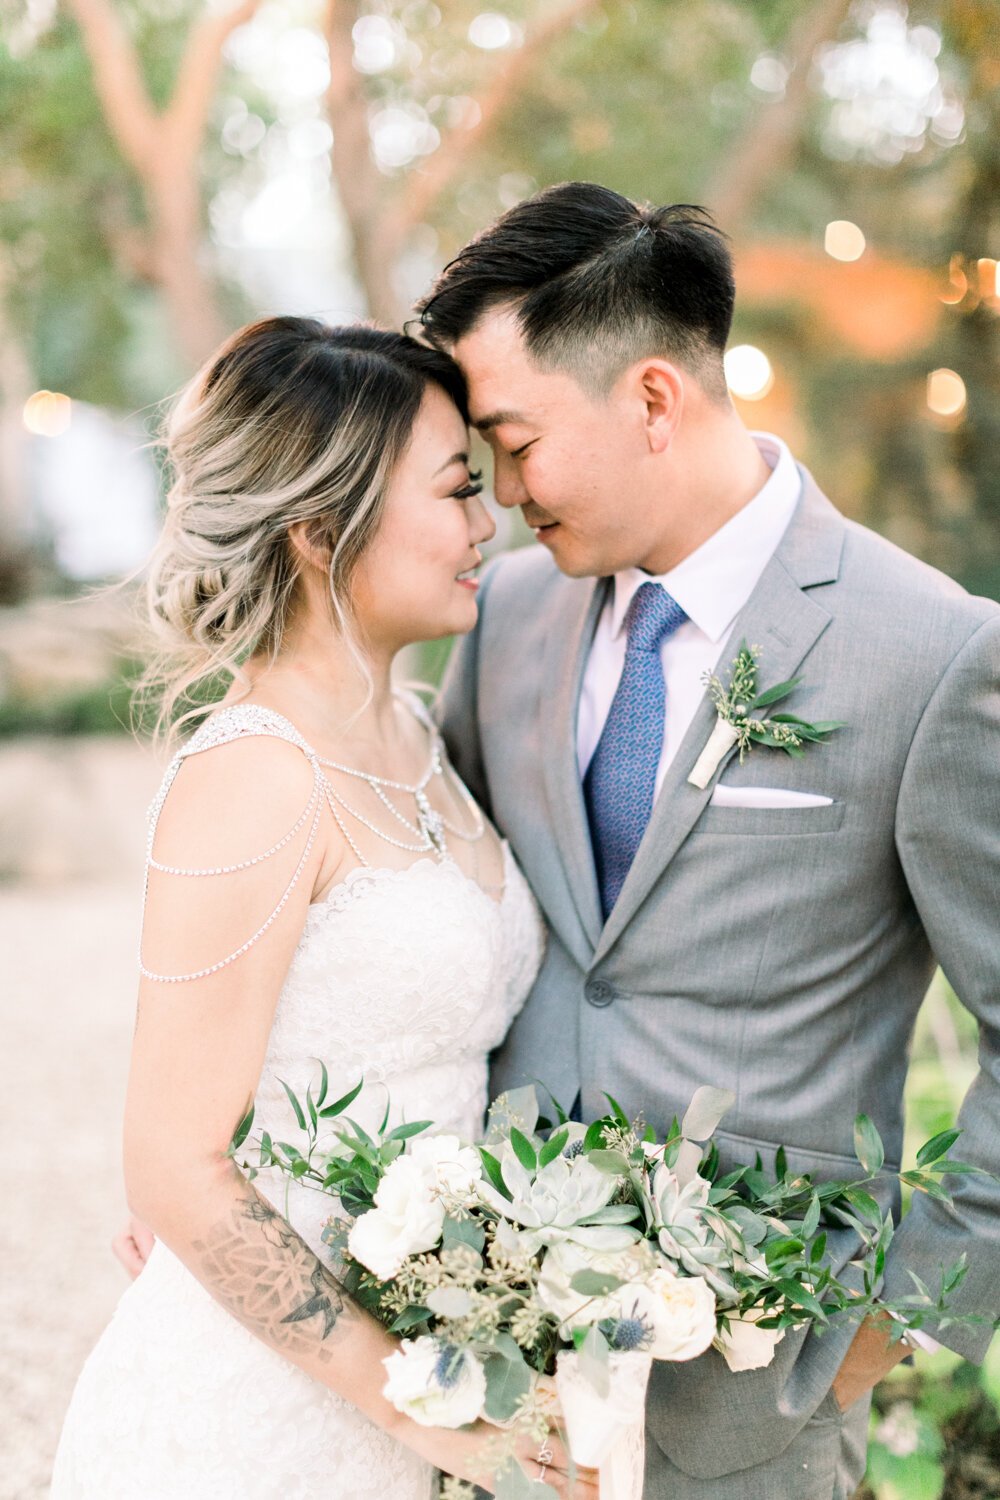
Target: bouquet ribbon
[607,1433]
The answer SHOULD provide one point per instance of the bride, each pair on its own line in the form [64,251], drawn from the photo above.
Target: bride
[319,886]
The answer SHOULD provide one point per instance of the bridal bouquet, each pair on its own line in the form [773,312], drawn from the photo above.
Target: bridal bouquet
[539,1272]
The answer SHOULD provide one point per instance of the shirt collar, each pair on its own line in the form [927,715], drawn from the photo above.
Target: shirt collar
[714,582]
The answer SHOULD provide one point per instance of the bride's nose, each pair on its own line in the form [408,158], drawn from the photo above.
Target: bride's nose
[482,527]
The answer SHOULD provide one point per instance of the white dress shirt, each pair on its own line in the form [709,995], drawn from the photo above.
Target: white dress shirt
[711,585]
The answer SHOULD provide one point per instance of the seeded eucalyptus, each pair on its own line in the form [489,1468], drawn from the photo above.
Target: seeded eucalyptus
[742,706]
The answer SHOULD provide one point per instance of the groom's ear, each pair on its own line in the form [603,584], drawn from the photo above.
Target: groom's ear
[659,388]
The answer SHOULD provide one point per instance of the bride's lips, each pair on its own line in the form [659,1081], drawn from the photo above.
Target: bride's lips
[468,579]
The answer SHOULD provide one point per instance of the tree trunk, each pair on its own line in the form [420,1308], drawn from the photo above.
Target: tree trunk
[382,213]
[770,143]
[163,150]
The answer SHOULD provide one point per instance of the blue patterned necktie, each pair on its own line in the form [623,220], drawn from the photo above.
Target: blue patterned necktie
[620,784]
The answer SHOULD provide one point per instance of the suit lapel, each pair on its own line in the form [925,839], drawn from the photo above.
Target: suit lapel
[780,618]
[566,650]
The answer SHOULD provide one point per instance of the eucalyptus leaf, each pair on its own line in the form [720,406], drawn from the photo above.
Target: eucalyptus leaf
[595,1283]
[410,1317]
[612,1162]
[449,1301]
[507,1381]
[463,1232]
[707,1107]
[751,1225]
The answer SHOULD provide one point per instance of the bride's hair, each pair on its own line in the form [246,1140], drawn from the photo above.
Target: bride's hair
[290,421]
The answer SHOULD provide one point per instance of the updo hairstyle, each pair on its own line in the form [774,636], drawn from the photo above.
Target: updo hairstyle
[291,421]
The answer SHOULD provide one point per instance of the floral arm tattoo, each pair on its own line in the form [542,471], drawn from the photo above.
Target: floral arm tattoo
[268,1278]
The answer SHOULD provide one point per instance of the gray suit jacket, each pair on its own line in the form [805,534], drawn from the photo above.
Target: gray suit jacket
[782,954]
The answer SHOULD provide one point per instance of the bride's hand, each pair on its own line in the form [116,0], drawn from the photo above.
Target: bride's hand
[132,1244]
[465,1452]
[556,1473]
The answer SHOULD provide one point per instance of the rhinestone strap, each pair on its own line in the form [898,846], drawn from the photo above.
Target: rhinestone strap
[314,803]
[245,864]
[238,721]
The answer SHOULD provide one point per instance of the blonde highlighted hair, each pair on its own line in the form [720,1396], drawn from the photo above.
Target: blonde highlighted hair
[290,422]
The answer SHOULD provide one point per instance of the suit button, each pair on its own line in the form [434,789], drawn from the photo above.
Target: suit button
[599,993]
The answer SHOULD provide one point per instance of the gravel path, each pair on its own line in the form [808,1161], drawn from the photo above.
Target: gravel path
[72,826]
[66,1015]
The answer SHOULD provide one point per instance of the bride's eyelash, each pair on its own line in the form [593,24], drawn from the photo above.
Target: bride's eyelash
[474,486]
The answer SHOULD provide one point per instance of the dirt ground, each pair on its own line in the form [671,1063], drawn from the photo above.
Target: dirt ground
[69,918]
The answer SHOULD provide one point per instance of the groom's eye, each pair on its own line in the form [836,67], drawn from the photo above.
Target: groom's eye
[520,452]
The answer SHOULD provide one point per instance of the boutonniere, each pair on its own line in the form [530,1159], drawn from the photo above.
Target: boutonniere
[742,720]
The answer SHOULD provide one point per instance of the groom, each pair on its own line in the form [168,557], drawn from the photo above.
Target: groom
[772,933]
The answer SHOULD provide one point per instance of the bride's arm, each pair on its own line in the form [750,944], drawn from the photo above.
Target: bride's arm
[197,1055]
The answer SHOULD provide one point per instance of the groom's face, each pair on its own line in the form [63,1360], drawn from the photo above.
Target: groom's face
[569,459]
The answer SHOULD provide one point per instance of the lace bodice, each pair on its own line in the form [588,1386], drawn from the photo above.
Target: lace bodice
[407,977]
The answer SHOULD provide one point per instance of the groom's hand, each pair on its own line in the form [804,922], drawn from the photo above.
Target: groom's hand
[132,1245]
[870,1357]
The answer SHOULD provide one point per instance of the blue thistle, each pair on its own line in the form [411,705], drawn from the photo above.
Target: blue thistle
[573,1149]
[449,1366]
[626,1334]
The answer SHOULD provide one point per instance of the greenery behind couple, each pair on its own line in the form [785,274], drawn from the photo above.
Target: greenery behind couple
[591,332]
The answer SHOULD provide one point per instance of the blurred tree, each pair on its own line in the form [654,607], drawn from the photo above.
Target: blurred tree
[163,148]
[383,210]
[775,115]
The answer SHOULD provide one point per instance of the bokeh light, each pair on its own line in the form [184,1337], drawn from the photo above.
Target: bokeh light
[946,394]
[748,372]
[47,413]
[844,240]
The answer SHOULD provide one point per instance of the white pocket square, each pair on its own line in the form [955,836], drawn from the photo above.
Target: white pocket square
[765,796]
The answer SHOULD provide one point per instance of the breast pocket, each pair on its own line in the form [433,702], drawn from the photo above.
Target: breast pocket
[773,820]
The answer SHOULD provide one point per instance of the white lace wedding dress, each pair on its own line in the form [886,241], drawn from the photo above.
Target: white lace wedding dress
[407,977]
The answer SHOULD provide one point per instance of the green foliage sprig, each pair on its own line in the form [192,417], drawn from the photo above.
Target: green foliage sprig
[739,704]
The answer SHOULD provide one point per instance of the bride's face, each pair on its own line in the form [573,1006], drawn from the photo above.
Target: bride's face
[416,581]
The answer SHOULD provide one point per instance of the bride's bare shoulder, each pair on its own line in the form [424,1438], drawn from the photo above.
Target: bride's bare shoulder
[232,796]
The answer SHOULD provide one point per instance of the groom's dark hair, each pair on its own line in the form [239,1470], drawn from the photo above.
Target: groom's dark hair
[597,282]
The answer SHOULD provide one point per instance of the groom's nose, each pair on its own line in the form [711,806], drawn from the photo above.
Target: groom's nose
[507,485]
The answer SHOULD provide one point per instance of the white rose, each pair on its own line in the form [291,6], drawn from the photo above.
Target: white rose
[575,1309]
[745,1346]
[435,1384]
[455,1168]
[406,1219]
[679,1311]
